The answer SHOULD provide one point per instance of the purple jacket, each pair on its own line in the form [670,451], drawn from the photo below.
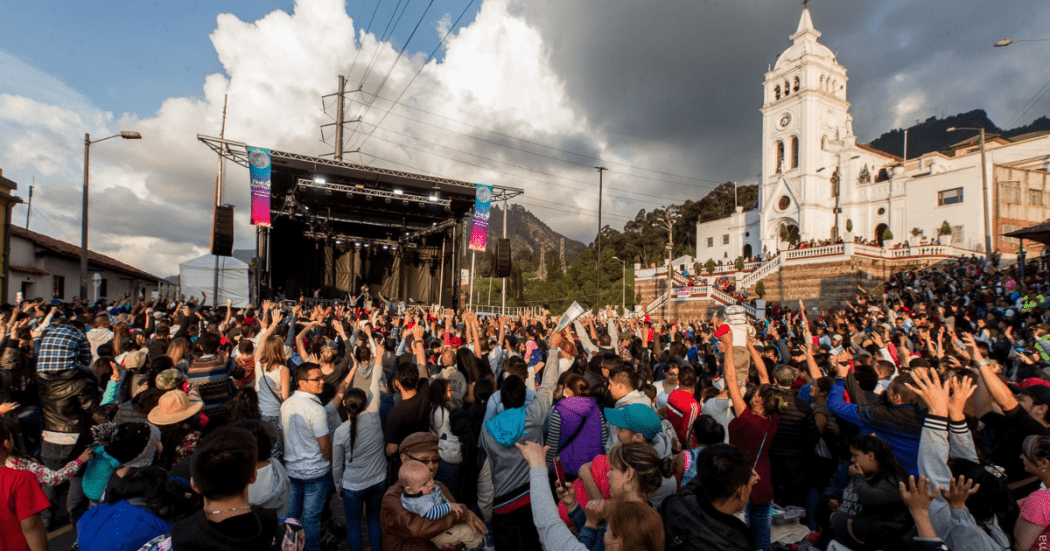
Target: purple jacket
[567,416]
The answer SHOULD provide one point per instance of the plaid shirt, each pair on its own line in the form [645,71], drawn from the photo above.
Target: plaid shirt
[63,347]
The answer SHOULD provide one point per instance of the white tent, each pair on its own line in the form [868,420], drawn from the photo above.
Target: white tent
[198,275]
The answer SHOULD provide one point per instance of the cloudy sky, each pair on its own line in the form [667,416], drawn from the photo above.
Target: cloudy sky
[528,93]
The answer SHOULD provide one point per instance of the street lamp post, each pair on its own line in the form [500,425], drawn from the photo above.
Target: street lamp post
[1006,41]
[127,135]
[623,297]
[669,226]
[984,193]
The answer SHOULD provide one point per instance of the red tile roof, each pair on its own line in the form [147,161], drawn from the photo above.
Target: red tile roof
[28,270]
[62,248]
[871,149]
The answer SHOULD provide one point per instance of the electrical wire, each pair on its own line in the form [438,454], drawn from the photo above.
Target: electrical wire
[361,46]
[662,204]
[526,198]
[584,165]
[1029,104]
[398,58]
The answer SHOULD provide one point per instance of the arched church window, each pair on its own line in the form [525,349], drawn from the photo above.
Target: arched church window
[824,143]
[796,84]
[780,156]
[787,88]
[834,86]
[776,91]
[821,82]
[794,152]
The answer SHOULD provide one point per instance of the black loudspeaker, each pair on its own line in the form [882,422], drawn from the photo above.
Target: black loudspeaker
[222,231]
[503,257]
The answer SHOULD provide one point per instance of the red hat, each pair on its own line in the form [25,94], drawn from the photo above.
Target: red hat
[682,411]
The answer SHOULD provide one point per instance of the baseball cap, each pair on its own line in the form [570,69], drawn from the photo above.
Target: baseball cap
[638,418]
[1039,392]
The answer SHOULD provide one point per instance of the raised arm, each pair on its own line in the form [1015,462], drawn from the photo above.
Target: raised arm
[996,387]
[760,365]
[739,405]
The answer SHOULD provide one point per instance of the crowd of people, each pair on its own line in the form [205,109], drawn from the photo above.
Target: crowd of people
[916,416]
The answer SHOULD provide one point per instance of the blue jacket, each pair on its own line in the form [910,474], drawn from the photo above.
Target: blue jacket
[899,426]
[118,526]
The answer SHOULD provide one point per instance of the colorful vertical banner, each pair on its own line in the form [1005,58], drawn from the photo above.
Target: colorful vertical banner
[482,202]
[259,171]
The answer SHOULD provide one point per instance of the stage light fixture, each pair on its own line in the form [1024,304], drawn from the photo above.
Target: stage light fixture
[398,191]
[385,247]
[357,244]
[366,245]
[327,192]
[388,200]
[338,241]
[404,202]
[320,180]
[367,197]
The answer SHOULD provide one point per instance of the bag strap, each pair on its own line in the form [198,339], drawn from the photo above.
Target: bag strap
[269,385]
[572,437]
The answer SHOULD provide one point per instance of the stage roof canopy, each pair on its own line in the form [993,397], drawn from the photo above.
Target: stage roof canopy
[1038,232]
[341,198]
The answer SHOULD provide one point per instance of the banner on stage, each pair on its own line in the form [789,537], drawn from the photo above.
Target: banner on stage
[259,171]
[482,202]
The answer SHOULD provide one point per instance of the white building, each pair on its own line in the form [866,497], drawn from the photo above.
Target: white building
[819,183]
[41,266]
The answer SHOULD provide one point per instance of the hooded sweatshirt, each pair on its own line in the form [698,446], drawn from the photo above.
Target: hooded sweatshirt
[510,472]
[571,413]
[271,488]
[97,473]
[632,397]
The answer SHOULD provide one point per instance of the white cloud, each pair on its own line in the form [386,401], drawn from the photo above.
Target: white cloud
[151,198]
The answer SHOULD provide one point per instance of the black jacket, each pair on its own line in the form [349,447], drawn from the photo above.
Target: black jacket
[259,530]
[68,398]
[691,523]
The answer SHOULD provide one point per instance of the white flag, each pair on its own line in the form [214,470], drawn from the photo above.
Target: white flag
[574,311]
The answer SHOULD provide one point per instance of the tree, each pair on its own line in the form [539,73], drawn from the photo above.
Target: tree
[849,225]
[710,266]
[739,264]
[915,232]
[887,235]
[946,228]
[760,289]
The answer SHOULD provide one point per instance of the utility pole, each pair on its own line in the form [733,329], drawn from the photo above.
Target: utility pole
[339,120]
[340,116]
[984,203]
[503,303]
[218,201]
[598,243]
[29,208]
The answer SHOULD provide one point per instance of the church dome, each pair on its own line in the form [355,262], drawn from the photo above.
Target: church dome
[805,43]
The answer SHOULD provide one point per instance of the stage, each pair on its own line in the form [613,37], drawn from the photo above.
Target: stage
[337,225]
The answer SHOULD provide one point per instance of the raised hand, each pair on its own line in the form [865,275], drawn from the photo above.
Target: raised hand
[917,495]
[928,386]
[959,489]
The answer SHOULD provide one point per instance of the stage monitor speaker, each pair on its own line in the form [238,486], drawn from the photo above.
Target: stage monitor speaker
[222,231]
[502,257]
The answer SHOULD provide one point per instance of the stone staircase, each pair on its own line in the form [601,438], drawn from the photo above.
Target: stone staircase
[825,277]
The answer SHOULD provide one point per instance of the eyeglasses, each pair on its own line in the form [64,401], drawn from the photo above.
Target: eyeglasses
[434,461]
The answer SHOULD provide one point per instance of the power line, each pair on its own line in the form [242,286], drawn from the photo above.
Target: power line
[375,55]
[537,144]
[421,66]
[361,46]
[665,199]
[1029,104]
[398,58]
[528,198]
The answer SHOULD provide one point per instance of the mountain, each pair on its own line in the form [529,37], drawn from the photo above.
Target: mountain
[932,134]
[529,236]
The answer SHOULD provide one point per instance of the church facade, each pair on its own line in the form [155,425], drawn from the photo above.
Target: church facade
[817,183]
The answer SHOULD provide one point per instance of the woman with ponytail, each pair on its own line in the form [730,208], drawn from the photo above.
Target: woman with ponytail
[358,462]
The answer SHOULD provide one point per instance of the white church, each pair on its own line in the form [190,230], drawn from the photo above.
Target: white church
[819,183]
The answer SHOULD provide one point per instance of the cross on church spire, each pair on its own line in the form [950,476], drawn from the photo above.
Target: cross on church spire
[805,4]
